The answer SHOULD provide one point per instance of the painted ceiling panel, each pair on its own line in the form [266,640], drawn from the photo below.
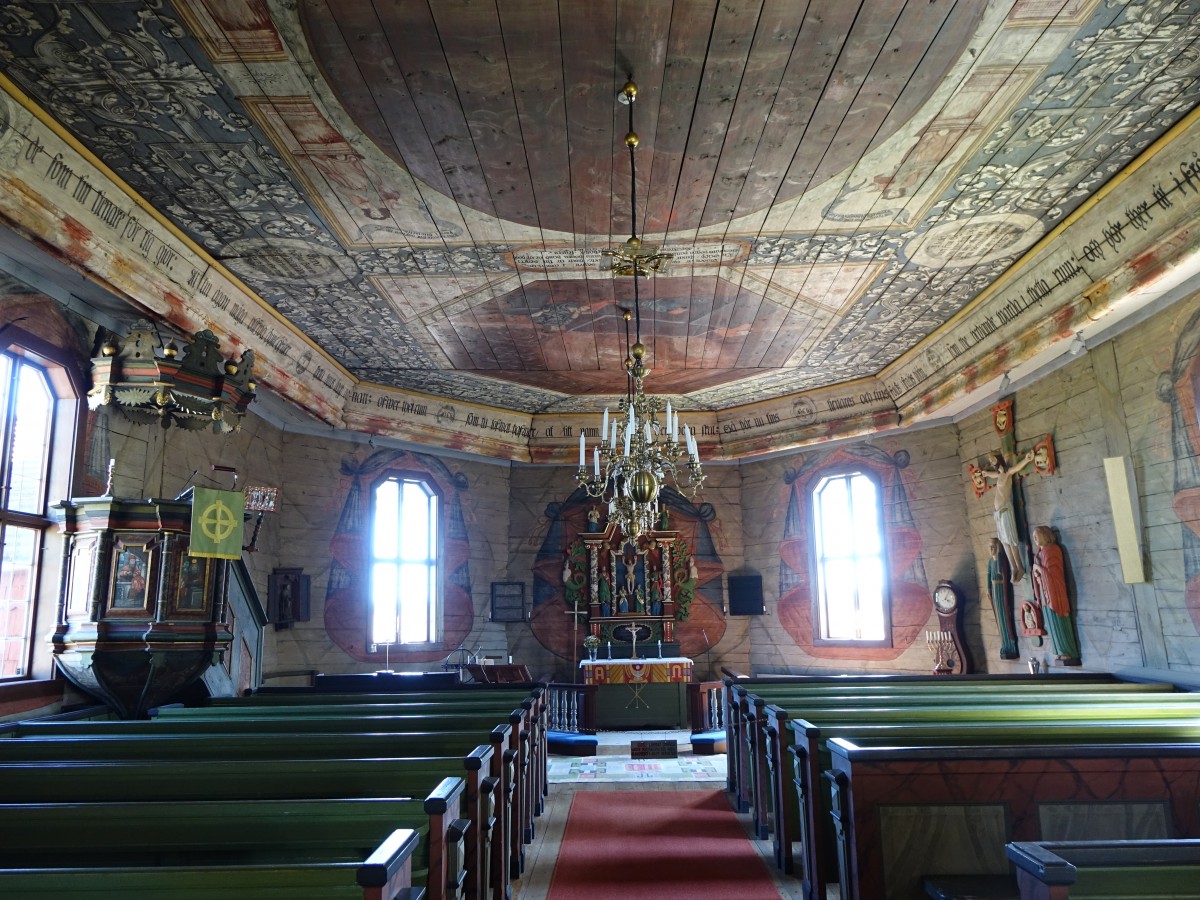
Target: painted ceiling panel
[423,188]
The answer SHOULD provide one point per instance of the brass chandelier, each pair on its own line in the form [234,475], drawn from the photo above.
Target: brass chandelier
[637,453]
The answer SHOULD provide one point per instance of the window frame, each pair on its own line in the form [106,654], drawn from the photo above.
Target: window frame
[437,618]
[68,387]
[819,603]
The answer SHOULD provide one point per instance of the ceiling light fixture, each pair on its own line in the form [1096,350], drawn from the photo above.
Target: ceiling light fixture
[637,453]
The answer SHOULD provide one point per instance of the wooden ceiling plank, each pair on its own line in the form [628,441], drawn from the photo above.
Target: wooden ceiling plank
[704,291]
[358,63]
[531,33]
[447,338]
[475,53]
[773,39]
[858,51]
[940,56]
[587,68]
[544,308]
[887,77]
[725,298]
[515,308]
[669,302]
[753,322]
[724,65]
[413,35]
[664,129]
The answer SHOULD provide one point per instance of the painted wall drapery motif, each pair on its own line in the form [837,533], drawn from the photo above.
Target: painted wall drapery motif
[347,598]
[908,586]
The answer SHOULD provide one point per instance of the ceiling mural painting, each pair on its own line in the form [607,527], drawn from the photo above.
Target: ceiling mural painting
[423,189]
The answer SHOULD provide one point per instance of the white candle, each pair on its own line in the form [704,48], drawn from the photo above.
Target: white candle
[604,428]
[596,461]
[649,439]
[627,436]
[582,450]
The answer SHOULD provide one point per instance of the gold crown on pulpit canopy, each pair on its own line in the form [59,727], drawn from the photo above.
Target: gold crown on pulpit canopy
[193,387]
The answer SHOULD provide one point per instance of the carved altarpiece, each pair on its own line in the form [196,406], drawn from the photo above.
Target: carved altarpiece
[633,589]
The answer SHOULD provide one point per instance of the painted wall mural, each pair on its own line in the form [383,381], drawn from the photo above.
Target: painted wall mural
[910,595]
[551,618]
[1179,387]
[346,597]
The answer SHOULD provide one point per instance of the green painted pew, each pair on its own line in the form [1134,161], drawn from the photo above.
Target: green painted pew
[766,790]
[806,821]
[1106,870]
[203,833]
[904,813]
[485,805]
[532,731]
[384,875]
[746,698]
[527,742]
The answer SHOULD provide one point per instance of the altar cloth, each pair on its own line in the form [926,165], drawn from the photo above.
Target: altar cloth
[637,671]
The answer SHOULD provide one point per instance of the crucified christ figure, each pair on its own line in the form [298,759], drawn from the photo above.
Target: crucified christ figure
[1006,521]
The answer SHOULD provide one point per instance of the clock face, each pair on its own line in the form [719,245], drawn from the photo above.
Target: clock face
[945,599]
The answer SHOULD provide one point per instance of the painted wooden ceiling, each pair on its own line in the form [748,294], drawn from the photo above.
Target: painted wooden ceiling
[423,187]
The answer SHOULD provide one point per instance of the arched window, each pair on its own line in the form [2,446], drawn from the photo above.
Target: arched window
[39,416]
[405,552]
[851,571]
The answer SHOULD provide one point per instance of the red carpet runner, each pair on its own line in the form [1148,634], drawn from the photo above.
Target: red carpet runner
[666,845]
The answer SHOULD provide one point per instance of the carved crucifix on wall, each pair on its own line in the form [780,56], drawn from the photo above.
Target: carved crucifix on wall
[1000,472]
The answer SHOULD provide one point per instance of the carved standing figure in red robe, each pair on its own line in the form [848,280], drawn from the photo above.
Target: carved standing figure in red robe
[1050,589]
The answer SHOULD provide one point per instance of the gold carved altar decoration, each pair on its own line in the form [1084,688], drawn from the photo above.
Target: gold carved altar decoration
[633,589]
[193,387]
[637,452]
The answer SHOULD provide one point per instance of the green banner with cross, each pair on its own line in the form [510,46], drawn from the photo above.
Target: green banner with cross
[217,523]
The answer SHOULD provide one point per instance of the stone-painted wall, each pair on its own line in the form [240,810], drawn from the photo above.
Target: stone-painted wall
[1132,396]
[925,518]
[1114,401]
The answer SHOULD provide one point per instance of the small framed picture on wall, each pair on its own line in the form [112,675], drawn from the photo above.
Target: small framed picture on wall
[287,597]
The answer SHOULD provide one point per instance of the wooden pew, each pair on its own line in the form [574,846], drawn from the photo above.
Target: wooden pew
[237,832]
[1106,870]
[485,805]
[812,828]
[384,875]
[740,721]
[226,733]
[527,743]
[975,799]
[534,755]
[765,786]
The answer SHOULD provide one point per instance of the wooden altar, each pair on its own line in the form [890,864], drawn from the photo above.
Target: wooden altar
[639,693]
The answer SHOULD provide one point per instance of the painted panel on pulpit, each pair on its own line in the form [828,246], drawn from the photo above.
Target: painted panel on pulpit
[911,603]
[560,576]
[347,595]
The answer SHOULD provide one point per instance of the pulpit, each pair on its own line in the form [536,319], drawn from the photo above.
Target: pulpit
[139,619]
[640,693]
